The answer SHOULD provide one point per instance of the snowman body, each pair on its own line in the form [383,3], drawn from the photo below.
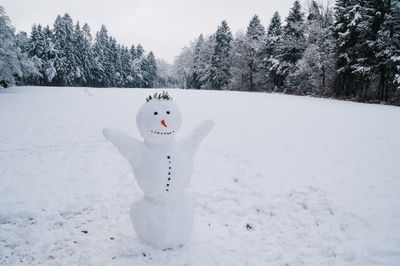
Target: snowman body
[162,166]
[164,216]
[164,172]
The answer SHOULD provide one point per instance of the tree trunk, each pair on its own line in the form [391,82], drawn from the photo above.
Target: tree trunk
[365,90]
[323,79]
[355,87]
[386,90]
[251,78]
[381,82]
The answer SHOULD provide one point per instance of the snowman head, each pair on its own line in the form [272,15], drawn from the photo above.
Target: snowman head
[158,119]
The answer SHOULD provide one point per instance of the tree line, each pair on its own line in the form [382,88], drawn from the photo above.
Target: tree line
[68,55]
[350,51]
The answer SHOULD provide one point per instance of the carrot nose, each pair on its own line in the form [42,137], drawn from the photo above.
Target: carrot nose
[163,122]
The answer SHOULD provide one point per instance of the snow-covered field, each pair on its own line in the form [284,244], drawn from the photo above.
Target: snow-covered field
[281,180]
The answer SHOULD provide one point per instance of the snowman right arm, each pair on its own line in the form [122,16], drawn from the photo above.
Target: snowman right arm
[192,142]
[129,147]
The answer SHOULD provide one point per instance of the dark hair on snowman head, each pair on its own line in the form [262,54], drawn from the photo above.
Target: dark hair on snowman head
[159,96]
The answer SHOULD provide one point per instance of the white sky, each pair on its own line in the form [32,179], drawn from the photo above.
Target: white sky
[163,27]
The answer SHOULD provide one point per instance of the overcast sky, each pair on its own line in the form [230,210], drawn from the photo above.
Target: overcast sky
[161,26]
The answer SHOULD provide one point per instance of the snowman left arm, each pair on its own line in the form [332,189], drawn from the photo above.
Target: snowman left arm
[191,143]
[129,147]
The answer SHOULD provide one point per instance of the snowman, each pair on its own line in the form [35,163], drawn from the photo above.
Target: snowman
[162,166]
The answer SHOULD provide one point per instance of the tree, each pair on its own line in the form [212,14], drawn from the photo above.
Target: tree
[269,62]
[294,40]
[101,50]
[347,18]
[182,66]
[14,63]
[387,49]
[220,61]
[196,76]
[65,62]
[165,75]
[195,63]
[48,57]
[150,70]
[314,72]
[239,63]
[253,42]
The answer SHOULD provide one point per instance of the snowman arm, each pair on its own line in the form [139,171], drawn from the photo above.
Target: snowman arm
[199,133]
[128,146]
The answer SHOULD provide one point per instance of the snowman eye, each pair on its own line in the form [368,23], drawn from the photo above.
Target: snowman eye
[167,112]
[155,113]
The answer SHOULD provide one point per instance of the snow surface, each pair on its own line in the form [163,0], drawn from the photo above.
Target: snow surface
[281,180]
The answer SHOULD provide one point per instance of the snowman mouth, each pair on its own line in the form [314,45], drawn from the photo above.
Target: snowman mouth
[162,133]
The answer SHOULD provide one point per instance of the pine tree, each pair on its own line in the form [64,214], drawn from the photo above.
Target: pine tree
[366,23]
[220,61]
[239,66]
[346,19]
[138,66]
[293,44]
[65,62]
[80,47]
[365,30]
[315,71]
[36,50]
[150,70]
[91,66]
[13,62]
[182,67]
[50,53]
[269,62]
[200,62]
[255,35]
[197,68]
[101,51]
[126,59]
[294,40]
[387,48]
[114,59]
[275,26]
[139,51]
[27,65]
[165,75]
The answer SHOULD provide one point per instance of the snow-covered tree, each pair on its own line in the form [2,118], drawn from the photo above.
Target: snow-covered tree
[269,63]
[65,62]
[239,63]
[150,70]
[255,37]
[165,75]
[293,34]
[367,44]
[347,19]
[37,51]
[49,55]
[101,50]
[183,65]
[387,50]
[220,61]
[138,67]
[197,74]
[194,63]
[14,63]
[315,71]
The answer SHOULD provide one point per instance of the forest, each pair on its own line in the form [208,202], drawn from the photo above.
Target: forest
[68,55]
[350,50]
